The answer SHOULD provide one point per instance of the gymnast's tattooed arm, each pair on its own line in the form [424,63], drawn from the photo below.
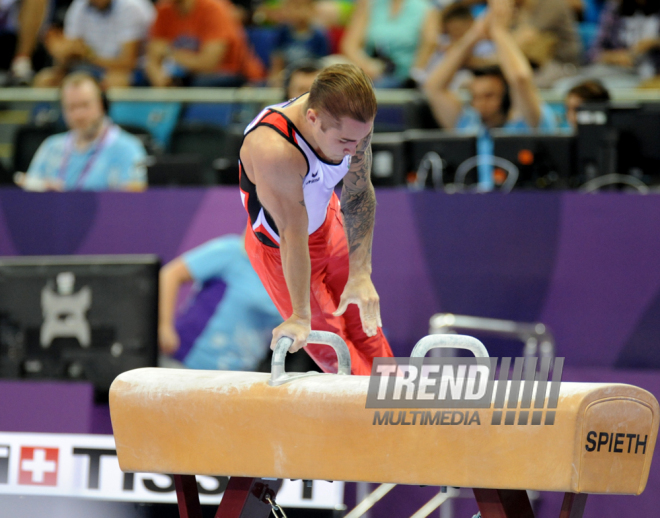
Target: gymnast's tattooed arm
[358,206]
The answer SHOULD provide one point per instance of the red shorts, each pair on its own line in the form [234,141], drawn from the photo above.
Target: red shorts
[328,251]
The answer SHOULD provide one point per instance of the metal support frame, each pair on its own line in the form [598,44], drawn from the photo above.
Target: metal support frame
[370,500]
[244,497]
[436,502]
[536,336]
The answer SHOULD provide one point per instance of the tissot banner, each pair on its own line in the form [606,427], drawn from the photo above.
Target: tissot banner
[86,466]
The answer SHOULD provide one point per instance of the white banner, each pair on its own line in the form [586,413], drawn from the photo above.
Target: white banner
[86,466]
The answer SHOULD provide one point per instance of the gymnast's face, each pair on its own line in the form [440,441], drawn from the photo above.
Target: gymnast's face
[336,139]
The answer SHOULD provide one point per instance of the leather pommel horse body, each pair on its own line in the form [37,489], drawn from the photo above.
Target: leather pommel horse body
[236,424]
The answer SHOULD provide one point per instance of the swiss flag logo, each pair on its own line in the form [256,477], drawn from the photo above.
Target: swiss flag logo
[38,466]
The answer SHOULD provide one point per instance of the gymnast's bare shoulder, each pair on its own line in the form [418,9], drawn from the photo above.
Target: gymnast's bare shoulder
[277,169]
[264,151]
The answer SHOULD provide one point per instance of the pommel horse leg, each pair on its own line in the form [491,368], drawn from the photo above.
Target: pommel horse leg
[503,503]
[573,505]
[509,503]
[244,497]
[187,496]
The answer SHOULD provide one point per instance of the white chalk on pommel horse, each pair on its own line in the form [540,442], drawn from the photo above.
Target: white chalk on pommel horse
[259,429]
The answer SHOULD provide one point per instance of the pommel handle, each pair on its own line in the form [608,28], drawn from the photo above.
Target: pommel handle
[279,376]
[449,342]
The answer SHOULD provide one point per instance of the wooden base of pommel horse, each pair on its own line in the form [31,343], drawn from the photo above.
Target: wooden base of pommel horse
[600,440]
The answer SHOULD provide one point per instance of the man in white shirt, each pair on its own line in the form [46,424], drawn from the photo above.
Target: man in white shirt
[102,37]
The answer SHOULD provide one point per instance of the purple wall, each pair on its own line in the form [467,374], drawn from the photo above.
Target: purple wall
[585,265]
[46,406]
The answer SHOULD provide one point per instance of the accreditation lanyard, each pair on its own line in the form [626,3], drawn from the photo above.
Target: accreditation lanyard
[101,143]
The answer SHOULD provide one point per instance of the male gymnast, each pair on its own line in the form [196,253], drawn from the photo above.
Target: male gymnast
[313,255]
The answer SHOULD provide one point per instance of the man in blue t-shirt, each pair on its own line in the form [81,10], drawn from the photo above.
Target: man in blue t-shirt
[95,154]
[502,97]
[229,323]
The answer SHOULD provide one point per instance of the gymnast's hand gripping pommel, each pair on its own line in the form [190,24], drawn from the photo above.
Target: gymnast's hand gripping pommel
[278,376]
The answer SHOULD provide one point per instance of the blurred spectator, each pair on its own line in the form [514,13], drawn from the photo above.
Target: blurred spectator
[546,32]
[591,10]
[629,37]
[326,13]
[577,6]
[456,20]
[587,91]
[333,13]
[505,98]
[297,38]
[245,10]
[102,37]
[199,43]
[298,78]
[227,326]
[95,154]
[389,38]
[20,21]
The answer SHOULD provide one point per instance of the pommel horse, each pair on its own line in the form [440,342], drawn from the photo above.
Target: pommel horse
[259,429]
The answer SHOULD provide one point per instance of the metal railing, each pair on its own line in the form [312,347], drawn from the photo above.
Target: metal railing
[536,337]
[189,95]
[267,95]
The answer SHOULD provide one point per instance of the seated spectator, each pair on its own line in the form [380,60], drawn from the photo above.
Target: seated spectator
[587,91]
[546,32]
[298,78]
[577,7]
[229,323]
[94,154]
[102,37]
[629,37]
[297,38]
[456,20]
[333,13]
[326,13]
[199,43]
[591,10]
[505,98]
[20,22]
[389,38]
[244,10]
